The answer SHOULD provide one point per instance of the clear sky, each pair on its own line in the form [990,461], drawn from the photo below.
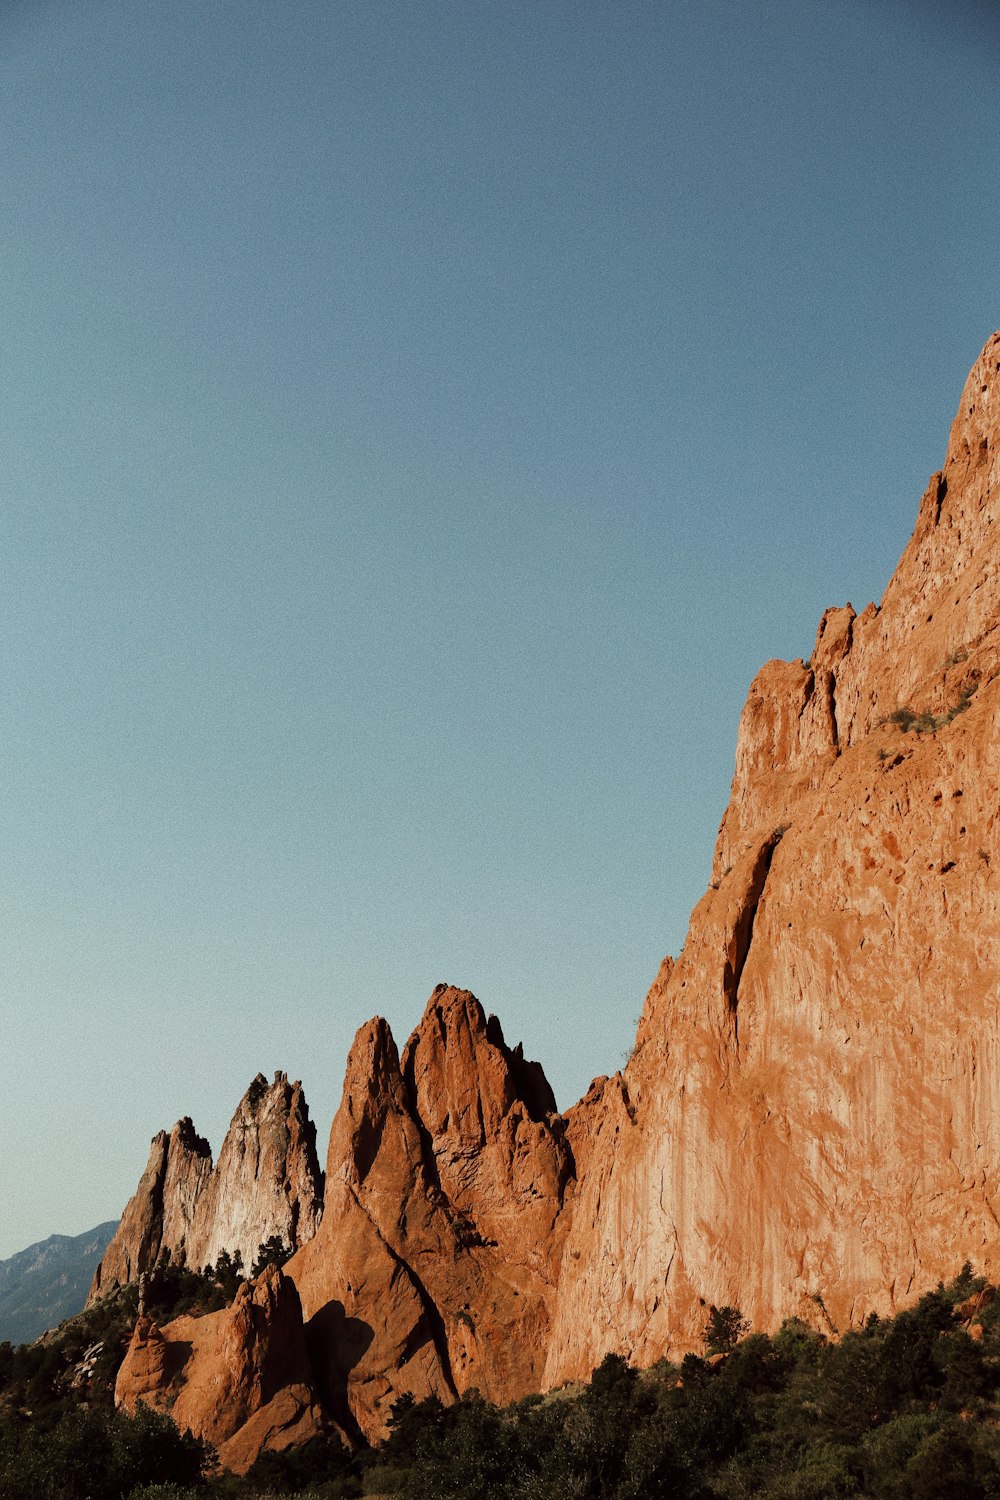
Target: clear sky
[419,422]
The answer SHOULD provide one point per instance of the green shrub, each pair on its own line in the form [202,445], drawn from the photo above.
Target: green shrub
[724,1329]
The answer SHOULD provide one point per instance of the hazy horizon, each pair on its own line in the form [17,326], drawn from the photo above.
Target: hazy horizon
[421,426]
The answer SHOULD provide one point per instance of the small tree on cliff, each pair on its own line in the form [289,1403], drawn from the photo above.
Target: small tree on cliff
[724,1329]
[228,1273]
[272,1252]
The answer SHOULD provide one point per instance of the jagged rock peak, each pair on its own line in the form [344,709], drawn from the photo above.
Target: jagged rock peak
[159,1214]
[462,1075]
[267,1182]
[930,640]
[487,1114]
[373,1061]
[373,1091]
[267,1177]
[184,1135]
[446,1176]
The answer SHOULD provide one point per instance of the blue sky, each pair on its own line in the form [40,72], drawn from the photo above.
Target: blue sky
[419,423]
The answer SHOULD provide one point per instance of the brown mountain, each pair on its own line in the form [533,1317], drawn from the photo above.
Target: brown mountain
[447,1173]
[809,1123]
[266,1182]
[815,1126]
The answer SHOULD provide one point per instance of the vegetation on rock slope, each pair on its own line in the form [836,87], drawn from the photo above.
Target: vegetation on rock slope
[907,1407]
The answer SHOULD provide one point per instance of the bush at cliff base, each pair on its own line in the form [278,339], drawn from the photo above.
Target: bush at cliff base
[906,1408]
[93,1454]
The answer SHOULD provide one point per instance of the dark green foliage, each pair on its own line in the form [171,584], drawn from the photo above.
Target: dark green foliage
[926,723]
[905,1408]
[272,1252]
[944,1467]
[227,1273]
[611,1440]
[92,1454]
[78,1361]
[256,1092]
[435,1452]
[870,1376]
[323,1463]
[724,1329]
[174,1290]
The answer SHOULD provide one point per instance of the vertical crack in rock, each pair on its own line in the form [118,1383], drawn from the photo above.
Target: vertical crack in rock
[428,1155]
[834,726]
[940,493]
[833,683]
[742,935]
[431,1312]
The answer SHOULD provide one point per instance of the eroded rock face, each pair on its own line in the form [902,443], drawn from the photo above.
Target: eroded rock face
[240,1378]
[810,1121]
[814,1120]
[433,1269]
[267,1179]
[915,650]
[161,1210]
[267,1182]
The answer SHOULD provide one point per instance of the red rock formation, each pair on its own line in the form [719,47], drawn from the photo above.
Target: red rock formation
[267,1182]
[160,1212]
[433,1269]
[814,1110]
[239,1378]
[810,1121]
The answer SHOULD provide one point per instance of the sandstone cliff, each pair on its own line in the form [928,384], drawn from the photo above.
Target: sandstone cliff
[433,1269]
[813,1115]
[266,1182]
[238,1378]
[810,1121]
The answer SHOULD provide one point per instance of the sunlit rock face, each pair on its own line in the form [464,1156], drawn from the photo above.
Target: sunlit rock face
[240,1378]
[810,1122]
[267,1182]
[434,1268]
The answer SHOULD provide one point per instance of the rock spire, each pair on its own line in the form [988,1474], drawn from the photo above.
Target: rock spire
[266,1182]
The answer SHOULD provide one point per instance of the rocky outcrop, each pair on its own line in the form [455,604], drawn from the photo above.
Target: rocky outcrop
[266,1183]
[915,650]
[809,1123]
[239,1378]
[160,1213]
[814,1121]
[433,1269]
[267,1179]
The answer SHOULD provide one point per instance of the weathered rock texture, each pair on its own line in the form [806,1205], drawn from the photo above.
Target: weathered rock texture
[433,1269]
[267,1182]
[810,1121]
[239,1378]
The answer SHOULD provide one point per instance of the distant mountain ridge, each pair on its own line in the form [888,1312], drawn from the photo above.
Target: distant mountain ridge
[47,1282]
